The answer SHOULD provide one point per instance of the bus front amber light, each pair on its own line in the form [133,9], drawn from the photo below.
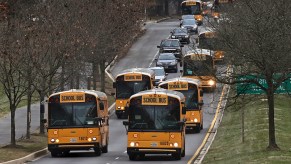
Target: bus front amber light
[57,140]
[89,139]
[172,136]
[211,82]
[122,108]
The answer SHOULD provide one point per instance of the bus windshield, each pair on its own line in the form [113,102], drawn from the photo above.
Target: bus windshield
[191,98]
[72,114]
[198,68]
[154,118]
[124,89]
[207,43]
[191,9]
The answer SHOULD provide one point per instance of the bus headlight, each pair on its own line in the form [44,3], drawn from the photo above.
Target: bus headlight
[132,144]
[211,82]
[53,140]
[176,144]
[94,138]
[195,120]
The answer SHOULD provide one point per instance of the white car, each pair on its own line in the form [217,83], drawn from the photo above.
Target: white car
[160,74]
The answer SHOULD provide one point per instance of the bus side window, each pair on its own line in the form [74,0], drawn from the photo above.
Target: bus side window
[101,105]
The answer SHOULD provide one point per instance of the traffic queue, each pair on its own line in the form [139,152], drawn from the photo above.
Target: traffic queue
[158,111]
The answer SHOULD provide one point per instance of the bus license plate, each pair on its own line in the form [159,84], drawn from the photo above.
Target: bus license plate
[73,140]
[154,144]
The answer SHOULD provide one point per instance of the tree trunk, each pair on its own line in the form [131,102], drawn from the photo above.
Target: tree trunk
[28,114]
[102,80]
[62,85]
[13,141]
[95,73]
[242,125]
[272,136]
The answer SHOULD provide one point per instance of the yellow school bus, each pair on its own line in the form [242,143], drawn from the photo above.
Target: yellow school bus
[193,7]
[129,82]
[77,120]
[156,123]
[206,40]
[192,90]
[199,64]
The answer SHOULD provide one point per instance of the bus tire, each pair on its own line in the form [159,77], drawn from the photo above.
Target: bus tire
[97,151]
[183,152]
[55,153]
[177,156]
[132,156]
[197,129]
[119,116]
[105,148]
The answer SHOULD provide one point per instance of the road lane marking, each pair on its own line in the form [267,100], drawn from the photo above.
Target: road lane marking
[154,58]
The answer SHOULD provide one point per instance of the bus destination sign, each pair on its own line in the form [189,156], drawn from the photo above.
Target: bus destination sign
[156,99]
[72,97]
[179,85]
[133,77]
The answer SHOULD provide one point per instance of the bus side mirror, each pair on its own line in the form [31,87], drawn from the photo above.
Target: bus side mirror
[114,85]
[101,105]
[201,93]
[181,71]
[181,123]
[126,123]
[183,110]
[201,103]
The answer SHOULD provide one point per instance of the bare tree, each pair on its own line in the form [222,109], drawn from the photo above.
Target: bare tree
[255,36]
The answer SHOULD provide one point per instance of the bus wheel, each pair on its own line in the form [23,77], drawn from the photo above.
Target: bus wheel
[177,156]
[118,116]
[183,152]
[132,156]
[105,148]
[97,151]
[197,129]
[55,153]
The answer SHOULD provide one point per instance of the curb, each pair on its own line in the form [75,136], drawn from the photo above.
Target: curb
[28,158]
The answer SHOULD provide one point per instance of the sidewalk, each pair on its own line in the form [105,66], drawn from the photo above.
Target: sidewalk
[20,124]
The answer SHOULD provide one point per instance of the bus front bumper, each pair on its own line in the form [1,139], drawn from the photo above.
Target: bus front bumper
[76,146]
[152,150]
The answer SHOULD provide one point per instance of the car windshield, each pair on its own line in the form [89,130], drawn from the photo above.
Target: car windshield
[180,30]
[189,22]
[159,72]
[167,57]
[170,43]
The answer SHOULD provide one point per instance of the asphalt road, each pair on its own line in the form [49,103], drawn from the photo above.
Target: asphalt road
[142,54]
